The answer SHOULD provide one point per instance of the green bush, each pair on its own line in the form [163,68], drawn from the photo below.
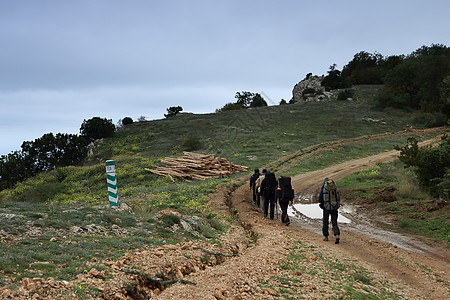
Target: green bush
[431,165]
[345,94]
[127,121]
[192,144]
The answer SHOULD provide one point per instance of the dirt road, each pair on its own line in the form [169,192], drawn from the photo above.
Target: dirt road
[410,268]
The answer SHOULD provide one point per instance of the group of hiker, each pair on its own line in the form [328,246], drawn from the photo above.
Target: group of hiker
[266,188]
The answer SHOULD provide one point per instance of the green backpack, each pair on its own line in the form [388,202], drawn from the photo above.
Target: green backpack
[331,197]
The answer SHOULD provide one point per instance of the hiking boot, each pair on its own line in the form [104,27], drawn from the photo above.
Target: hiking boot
[337,240]
[287,223]
[325,238]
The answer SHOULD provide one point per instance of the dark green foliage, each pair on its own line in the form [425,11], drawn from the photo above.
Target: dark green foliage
[127,121]
[419,81]
[308,91]
[334,80]
[230,106]
[173,111]
[365,68]
[248,99]
[257,101]
[431,165]
[191,144]
[345,94]
[97,128]
[41,155]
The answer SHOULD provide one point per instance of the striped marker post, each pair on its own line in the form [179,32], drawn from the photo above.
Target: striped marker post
[111,180]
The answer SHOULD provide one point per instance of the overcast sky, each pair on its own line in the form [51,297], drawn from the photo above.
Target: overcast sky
[65,61]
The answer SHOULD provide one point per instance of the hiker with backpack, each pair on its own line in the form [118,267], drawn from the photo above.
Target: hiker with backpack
[329,202]
[285,194]
[268,189]
[258,187]
[253,179]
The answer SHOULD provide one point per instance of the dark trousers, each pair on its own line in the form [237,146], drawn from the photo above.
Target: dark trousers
[269,200]
[258,199]
[334,217]
[284,207]
[254,194]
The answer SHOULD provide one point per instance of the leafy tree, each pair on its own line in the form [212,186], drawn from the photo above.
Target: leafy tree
[97,128]
[41,155]
[418,82]
[173,111]
[365,68]
[230,106]
[127,121]
[431,165]
[334,80]
[257,100]
[248,99]
[283,102]
[244,98]
[13,169]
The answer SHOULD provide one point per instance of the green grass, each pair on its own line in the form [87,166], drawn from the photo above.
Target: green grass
[414,211]
[45,246]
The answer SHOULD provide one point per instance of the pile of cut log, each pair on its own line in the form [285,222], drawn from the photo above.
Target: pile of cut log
[197,166]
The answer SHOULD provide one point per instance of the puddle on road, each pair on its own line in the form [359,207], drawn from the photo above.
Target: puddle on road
[313,211]
[307,211]
[308,206]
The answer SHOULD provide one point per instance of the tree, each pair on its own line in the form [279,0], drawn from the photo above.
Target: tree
[127,121]
[417,81]
[97,128]
[41,155]
[431,165]
[173,111]
[257,100]
[244,98]
[334,80]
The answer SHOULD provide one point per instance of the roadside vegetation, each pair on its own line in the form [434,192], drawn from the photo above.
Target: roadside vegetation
[390,190]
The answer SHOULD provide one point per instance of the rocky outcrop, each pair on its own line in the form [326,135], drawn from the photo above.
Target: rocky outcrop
[309,89]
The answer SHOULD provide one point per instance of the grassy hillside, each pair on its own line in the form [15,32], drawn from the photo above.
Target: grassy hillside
[252,137]
[67,205]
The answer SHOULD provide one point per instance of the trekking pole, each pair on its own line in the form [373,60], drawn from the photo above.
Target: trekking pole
[276,208]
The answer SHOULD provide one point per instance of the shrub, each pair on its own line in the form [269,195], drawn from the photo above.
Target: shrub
[345,94]
[191,144]
[431,165]
[127,121]
[97,128]
[173,111]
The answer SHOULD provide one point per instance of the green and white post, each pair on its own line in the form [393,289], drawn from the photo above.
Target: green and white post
[111,180]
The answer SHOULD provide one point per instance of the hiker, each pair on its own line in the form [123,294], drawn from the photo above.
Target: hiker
[329,202]
[253,179]
[285,194]
[268,188]
[258,187]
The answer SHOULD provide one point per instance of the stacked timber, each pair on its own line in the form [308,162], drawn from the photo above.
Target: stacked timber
[197,166]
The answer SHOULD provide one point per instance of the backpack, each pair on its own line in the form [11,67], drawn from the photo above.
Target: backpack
[285,189]
[331,197]
[270,183]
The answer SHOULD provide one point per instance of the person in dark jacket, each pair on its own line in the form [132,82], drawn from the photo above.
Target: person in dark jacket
[258,187]
[268,189]
[253,179]
[327,213]
[285,194]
